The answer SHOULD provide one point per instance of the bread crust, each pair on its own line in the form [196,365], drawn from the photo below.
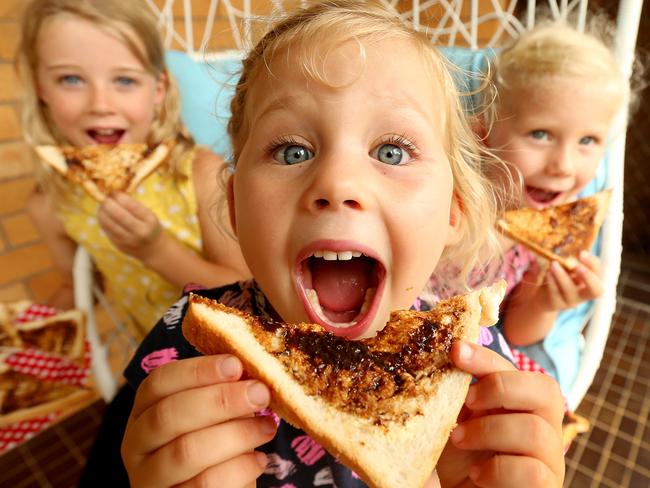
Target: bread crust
[385,455]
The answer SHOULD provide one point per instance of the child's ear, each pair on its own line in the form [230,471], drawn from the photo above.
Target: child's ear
[456,221]
[231,203]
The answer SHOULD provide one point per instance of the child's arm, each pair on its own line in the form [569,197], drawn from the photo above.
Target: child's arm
[194,420]
[533,307]
[510,432]
[61,247]
[136,230]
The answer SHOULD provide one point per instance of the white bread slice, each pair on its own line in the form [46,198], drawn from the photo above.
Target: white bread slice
[394,453]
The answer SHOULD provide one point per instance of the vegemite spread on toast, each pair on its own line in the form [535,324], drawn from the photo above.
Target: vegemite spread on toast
[377,377]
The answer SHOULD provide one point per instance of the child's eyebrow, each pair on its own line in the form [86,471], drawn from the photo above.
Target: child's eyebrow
[53,67]
[288,102]
[280,103]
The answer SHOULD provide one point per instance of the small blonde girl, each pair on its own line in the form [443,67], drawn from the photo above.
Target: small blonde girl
[558,91]
[95,72]
[355,171]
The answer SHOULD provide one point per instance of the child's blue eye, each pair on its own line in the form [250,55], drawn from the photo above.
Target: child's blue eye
[292,154]
[541,135]
[587,140]
[391,154]
[71,80]
[125,81]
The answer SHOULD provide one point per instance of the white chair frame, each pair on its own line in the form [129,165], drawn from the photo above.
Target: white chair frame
[455,29]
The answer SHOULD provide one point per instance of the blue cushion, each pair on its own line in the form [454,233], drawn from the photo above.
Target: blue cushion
[206,88]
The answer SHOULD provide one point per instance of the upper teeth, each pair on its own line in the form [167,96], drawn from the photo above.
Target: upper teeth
[105,132]
[337,255]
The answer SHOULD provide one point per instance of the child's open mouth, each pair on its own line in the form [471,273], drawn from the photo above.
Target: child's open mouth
[540,196]
[340,290]
[106,136]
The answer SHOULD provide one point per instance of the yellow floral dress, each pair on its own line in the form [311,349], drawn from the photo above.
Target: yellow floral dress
[140,295]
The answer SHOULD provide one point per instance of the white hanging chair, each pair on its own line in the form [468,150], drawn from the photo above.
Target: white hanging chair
[473,24]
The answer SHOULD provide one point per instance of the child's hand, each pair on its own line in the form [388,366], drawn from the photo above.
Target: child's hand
[193,421]
[563,289]
[510,432]
[129,225]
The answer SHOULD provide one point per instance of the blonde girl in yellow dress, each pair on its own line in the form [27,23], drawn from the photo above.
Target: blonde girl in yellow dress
[94,72]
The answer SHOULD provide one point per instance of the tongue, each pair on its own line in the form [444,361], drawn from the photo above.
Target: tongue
[540,195]
[341,285]
[113,138]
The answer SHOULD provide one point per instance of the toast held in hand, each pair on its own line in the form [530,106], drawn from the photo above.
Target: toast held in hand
[384,406]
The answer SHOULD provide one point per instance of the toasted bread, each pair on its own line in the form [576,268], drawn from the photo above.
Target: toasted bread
[558,233]
[102,169]
[384,406]
[23,396]
[63,334]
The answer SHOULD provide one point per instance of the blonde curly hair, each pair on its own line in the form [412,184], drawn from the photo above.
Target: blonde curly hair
[309,33]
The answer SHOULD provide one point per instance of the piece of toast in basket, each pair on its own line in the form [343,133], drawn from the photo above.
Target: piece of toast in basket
[384,406]
[558,233]
[24,397]
[63,334]
[102,169]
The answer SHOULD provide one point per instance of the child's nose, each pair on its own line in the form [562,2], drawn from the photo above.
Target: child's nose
[562,161]
[336,183]
[100,100]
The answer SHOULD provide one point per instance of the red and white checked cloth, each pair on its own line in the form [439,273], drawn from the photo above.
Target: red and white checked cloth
[35,312]
[524,363]
[14,434]
[47,367]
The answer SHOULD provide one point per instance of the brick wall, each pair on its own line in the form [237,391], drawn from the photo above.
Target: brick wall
[26,268]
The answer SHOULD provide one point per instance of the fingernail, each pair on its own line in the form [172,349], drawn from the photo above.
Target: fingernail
[230,367]
[583,255]
[465,352]
[458,434]
[269,426]
[258,394]
[262,459]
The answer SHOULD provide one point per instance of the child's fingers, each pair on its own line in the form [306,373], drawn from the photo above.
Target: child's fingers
[592,262]
[592,283]
[506,471]
[240,472]
[521,434]
[113,212]
[477,360]
[564,284]
[131,205]
[519,391]
[193,453]
[195,409]
[183,375]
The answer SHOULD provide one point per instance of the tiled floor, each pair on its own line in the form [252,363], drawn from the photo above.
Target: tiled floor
[615,453]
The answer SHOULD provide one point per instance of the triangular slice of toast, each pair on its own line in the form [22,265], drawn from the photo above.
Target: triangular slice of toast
[384,406]
[102,169]
[558,233]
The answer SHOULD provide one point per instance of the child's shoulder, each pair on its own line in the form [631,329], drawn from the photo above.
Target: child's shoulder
[166,343]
